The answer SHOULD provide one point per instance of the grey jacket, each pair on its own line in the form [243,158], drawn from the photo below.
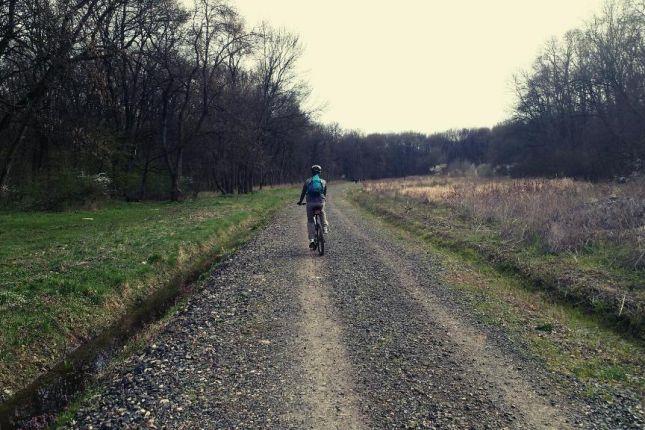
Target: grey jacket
[314,199]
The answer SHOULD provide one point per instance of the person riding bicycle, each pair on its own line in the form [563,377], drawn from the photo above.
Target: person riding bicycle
[315,189]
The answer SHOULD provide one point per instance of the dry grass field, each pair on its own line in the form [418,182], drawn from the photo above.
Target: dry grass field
[556,214]
[585,241]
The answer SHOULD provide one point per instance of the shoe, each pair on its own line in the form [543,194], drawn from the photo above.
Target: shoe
[312,244]
[325,230]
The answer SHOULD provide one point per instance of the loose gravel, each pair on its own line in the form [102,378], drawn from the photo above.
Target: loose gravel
[363,337]
[327,389]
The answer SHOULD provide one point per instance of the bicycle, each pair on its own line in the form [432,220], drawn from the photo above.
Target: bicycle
[319,239]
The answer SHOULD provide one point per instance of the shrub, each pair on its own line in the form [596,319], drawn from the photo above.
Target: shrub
[461,168]
[485,171]
[63,191]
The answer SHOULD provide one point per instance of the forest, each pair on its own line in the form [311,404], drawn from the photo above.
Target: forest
[150,99]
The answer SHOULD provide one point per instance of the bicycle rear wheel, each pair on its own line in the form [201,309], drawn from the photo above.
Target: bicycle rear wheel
[320,237]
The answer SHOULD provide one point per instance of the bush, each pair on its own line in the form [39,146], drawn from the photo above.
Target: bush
[129,185]
[438,169]
[461,168]
[62,191]
[485,171]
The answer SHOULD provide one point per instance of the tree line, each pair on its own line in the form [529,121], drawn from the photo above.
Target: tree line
[580,113]
[153,99]
[159,99]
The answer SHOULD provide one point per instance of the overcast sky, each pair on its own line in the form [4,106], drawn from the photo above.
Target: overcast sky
[422,65]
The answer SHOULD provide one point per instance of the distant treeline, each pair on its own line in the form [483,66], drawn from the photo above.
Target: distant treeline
[150,99]
[580,113]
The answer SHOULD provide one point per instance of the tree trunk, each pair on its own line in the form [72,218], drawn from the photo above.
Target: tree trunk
[144,181]
[175,190]
[8,162]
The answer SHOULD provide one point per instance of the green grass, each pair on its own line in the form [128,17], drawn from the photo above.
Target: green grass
[566,338]
[65,276]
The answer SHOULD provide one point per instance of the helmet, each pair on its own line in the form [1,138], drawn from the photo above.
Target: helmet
[316,169]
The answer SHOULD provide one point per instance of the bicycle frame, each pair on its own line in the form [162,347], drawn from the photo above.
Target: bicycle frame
[320,237]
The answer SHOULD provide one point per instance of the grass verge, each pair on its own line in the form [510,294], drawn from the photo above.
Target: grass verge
[132,347]
[64,277]
[570,342]
[585,280]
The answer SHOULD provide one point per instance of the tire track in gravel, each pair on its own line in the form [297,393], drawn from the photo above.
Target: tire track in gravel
[404,366]
[505,382]
[328,388]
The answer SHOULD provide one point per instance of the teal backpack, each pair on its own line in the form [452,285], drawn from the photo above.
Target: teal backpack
[315,187]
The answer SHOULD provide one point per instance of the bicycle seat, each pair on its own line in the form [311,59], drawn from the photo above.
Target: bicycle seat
[317,211]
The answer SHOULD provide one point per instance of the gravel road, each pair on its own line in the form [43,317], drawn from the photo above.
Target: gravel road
[364,337]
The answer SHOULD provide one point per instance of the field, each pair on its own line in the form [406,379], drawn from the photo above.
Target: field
[583,242]
[65,276]
[512,285]
[395,326]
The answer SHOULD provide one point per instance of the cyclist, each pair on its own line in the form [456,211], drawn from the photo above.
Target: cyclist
[315,189]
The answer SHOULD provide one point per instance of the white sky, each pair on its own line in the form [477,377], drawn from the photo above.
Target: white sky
[422,65]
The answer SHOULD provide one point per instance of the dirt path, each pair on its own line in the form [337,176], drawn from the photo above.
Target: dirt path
[361,338]
[488,363]
[328,388]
